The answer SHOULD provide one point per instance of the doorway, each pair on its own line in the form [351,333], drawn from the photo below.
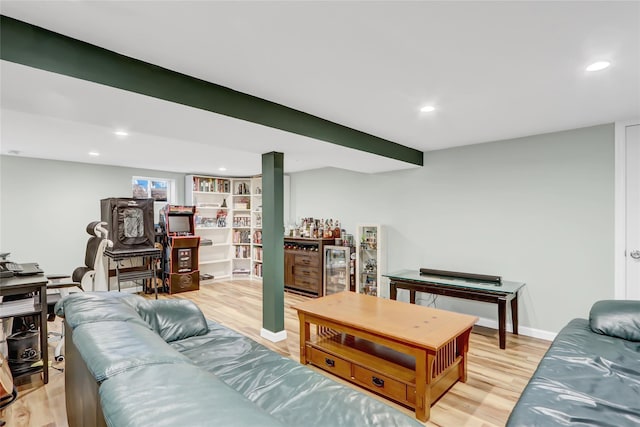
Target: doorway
[627,210]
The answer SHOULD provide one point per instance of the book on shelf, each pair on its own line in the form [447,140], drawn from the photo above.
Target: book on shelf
[211,185]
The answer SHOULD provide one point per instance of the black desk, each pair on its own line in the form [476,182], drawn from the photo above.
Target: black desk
[150,273]
[461,288]
[28,306]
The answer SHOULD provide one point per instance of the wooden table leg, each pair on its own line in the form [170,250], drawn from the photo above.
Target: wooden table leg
[424,366]
[412,296]
[305,335]
[463,348]
[393,291]
[502,315]
[514,313]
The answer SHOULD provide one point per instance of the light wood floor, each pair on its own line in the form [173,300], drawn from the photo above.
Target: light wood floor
[495,377]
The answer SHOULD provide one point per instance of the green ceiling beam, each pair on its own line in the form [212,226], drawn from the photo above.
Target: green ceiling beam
[37,47]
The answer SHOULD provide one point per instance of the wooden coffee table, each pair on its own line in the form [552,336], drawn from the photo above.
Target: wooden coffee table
[404,352]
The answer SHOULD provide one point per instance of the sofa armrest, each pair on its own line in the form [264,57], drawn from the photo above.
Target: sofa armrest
[174,319]
[616,318]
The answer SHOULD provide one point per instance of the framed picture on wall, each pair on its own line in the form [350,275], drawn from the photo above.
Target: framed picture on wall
[140,188]
[158,189]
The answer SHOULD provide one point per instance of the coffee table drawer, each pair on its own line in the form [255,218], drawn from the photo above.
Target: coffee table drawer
[380,383]
[330,363]
[411,395]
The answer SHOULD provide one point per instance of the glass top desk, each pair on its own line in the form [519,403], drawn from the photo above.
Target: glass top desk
[477,290]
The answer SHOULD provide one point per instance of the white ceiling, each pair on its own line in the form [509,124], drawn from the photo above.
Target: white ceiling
[494,70]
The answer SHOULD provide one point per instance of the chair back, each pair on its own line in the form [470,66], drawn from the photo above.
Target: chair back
[94,275]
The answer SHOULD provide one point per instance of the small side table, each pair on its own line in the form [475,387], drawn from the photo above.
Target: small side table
[150,254]
[36,305]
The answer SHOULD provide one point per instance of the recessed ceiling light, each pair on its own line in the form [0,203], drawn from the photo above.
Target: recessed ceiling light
[222,169]
[121,133]
[597,66]
[94,153]
[427,109]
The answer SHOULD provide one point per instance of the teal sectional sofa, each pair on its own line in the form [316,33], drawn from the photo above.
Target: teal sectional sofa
[590,376]
[137,362]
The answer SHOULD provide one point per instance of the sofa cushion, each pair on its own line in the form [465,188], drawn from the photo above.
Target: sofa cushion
[177,395]
[174,319]
[89,307]
[287,390]
[616,318]
[110,348]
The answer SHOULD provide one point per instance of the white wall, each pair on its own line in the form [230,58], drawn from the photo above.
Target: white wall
[46,205]
[537,209]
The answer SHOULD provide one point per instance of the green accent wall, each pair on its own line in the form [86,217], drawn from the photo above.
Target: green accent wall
[37,47]
[273,241]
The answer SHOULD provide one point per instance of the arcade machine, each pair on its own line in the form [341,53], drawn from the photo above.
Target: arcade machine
[180,249]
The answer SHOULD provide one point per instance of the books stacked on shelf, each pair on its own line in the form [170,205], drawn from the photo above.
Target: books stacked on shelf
[211,185]
[243,252]
[241,221]
[205,222]
[257,270]
[257,237]
[241,236]
[241,271]
[242,188]
[257,254]
[242,203]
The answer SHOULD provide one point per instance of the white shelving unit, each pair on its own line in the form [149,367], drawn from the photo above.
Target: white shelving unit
[241,227]
[211,197]
[256,228]
[370,262]
[229,222]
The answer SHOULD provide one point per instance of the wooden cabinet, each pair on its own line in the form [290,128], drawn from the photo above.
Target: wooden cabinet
[303,264]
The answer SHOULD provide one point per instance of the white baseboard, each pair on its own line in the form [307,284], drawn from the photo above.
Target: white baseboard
[522,330]
[273,336]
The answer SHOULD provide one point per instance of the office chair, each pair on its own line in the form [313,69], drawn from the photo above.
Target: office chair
[92,276]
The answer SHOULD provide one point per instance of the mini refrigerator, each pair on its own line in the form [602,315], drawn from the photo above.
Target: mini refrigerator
[336,269]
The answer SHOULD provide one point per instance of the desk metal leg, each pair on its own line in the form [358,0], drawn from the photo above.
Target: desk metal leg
[44,344]
[514,313]
[153,277]
[118,274]
[502,317]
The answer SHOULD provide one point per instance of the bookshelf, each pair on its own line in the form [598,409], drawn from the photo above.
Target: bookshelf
[229,222]
[256,228]
[211,196]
